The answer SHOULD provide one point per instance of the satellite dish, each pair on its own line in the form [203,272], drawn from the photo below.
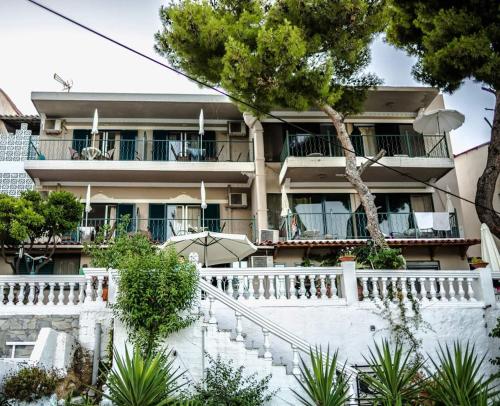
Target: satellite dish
[67,84]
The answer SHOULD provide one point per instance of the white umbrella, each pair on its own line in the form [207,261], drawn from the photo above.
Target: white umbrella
[201,131]
[489,250]
[95,122]
[212,248]
[285,207]
[438,121]
[203,196]
[449,204]
[88,207]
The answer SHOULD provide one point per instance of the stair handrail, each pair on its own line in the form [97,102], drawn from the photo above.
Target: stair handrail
[263,322]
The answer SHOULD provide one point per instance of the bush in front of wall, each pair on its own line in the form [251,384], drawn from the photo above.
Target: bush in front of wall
[387,258]
[225,385]
[30,383]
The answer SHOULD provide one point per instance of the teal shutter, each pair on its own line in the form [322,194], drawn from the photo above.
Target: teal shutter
[128,140]
[212,218]
[81,139]
[158,222]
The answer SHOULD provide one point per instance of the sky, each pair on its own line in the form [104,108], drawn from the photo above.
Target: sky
[35,44]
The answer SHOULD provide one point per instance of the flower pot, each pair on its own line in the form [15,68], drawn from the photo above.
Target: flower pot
[477,265]
[347,258]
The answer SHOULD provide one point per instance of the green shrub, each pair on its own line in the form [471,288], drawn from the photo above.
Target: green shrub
[139,380]
[322,383]
[387,258]
[30,383]
[225,385]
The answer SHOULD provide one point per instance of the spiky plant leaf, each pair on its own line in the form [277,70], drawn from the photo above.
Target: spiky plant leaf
[323,383]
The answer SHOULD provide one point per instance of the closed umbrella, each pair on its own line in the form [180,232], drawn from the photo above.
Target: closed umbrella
[212,248]
[489,250]
[285,207]
[95,122]
[201,131]
[88,207]
[438,121]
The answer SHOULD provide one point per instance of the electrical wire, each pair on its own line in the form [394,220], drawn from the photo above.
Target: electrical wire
[252,106]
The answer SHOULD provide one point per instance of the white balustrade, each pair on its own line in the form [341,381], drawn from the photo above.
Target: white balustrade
[451,287]
[294,283]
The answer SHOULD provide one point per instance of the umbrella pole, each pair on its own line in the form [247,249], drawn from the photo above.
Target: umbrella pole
[205,252]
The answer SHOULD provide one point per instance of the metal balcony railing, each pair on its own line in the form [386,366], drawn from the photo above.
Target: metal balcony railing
[327,145]
[140,150]
[159,229]
[313,226]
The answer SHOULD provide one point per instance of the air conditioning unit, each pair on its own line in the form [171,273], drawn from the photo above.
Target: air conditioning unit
[236,128]
[238,200]
[53,127]
[264,261]
[269,235]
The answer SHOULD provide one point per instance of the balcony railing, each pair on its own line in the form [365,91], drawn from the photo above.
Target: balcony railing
[405,145]
[159,229]
[141,150]
[314,226]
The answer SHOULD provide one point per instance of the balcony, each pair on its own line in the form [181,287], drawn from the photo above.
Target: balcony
[304,157]
[160,229]
[332,226]
[139,160]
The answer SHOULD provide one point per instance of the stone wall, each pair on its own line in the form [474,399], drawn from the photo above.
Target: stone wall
[27,327]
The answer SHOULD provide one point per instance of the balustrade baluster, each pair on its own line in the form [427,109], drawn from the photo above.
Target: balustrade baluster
[267,345]
[251,290]
[239,327]
[376,295]
[333,288]
[41,294]
[71,295]
[366,293]
[432,282]
[51,296]
[442,290]
[260,287]
[451,289]
[292,287]
[230,289]
[81,292]
[423,289]
[211,311]
[413,289]
[88,289]
[241,287]
[31,294]
[11,296]
[218,280]
[384,288]
[272,289]
[461,291]
[322,287]
[295,361]
[60,293]
[470,290]
[20,295]
[282,287]
[404,290]
[302,287]
[394,287]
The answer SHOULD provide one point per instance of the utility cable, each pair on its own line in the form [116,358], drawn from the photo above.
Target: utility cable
[250,105]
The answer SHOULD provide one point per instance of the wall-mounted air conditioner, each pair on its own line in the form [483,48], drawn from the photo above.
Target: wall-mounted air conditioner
[236,128]
[53,127]
[238,200]
[269,235]
[264,261]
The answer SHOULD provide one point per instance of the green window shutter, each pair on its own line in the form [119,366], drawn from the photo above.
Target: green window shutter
[128,145]
[81,139]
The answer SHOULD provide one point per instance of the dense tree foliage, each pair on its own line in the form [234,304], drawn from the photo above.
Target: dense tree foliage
[33,224]
[286,53]
[454,41]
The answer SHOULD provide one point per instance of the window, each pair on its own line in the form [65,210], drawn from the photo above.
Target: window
[423,265]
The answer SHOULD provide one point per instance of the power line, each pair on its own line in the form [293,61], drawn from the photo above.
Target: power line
[243,102]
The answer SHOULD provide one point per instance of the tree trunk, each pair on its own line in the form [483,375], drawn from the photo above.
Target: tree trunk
[353,175]
[487,182]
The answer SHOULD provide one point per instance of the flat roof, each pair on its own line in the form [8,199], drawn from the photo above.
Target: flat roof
[164,105]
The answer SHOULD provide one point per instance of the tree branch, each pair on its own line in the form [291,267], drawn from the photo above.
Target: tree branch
[370,162]
[488,89]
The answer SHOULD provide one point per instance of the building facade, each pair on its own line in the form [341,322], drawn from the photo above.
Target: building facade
[148,161]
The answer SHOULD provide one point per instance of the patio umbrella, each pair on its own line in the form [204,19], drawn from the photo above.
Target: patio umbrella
[95,131]
[201,131]
[285,207]
[489,250]
[88,208]
[449,204]
[212,248]
[438,121]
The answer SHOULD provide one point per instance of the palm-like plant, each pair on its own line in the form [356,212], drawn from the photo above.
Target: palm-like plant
[456,379]
[322,383]
[135,380]
[393,377]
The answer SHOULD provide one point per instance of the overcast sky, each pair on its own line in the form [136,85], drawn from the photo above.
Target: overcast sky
[35,44]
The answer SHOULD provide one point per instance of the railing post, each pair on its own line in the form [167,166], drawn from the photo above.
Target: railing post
[486,286]
[350,282]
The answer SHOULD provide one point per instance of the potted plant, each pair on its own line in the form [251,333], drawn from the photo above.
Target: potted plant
[347,254]
[477,262]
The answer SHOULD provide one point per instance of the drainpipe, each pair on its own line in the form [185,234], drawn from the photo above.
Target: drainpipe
[97,353]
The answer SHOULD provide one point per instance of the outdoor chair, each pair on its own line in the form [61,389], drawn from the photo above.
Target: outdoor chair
[74,154]
[109,154]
